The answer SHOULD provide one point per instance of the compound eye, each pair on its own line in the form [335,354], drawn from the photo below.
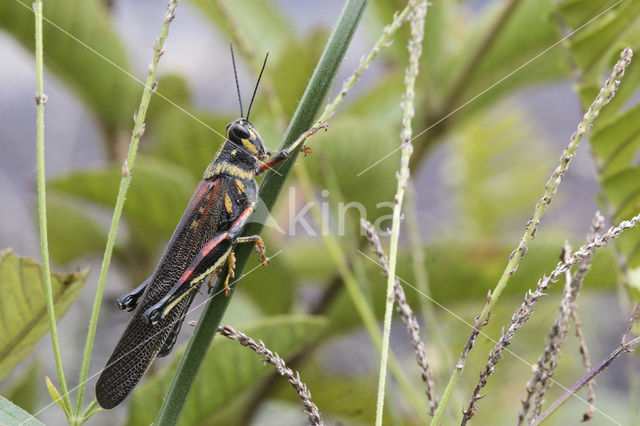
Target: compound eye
[241,132]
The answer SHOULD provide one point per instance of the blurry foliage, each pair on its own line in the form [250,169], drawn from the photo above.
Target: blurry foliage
[496,174]
[489,163]
[25,390]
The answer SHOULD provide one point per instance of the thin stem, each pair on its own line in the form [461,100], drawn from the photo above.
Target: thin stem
[270,187]
[606,94]
[524,312]
[125,180]
[624,347]
[310,409]
[415,50]
[408,317]
[540,381]
[41,99]
[383,41]
[358,297]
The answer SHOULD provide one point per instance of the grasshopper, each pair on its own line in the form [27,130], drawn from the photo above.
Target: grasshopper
[202,242]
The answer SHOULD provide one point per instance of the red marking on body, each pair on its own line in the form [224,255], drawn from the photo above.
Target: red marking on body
[211,245]
[202,187]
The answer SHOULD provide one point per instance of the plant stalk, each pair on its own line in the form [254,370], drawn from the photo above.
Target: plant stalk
[415,50]
[607,92]
[125,181]
[41,99]
[273,182]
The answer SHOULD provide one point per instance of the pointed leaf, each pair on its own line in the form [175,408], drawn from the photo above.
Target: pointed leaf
[55,395]
[593,44]
[229,370]
[23,312]
[12,415]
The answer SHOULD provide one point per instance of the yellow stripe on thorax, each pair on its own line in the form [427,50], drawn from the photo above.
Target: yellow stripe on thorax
[228,168]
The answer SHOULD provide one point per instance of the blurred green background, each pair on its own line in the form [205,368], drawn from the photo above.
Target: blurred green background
[498,94]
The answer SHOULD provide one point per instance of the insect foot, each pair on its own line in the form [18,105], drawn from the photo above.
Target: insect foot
[127,302]
[153,315]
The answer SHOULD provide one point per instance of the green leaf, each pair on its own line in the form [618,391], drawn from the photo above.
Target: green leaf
[12,415]
[105,89]
[290,77]
[172,87]
[23,312]
[616,138]
[271,288]
[157,197]
[54,393]
[228,371]
[25,390]
[344,400]
[591,47]
[623,192]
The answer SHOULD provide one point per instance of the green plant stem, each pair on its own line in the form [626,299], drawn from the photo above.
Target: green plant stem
[607,92]
[384,41]
[41,99]
[273,182]
[90,407]
[415,50]
[359,299]
[125,180]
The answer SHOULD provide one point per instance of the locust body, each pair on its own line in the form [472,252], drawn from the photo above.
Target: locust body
[203,240]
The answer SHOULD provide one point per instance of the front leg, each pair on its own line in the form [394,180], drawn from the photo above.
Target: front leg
[210,257]
[279,156]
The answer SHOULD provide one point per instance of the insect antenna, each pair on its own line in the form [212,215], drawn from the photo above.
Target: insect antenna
[257,84]
[235,73]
